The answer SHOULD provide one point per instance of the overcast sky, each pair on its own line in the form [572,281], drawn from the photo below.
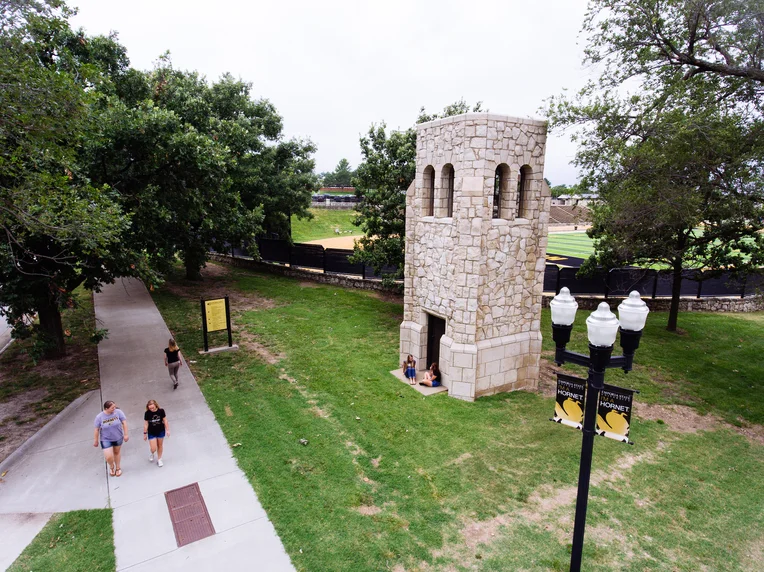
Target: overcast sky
[334,67]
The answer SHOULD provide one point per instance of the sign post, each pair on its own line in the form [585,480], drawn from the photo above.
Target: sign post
[216,316]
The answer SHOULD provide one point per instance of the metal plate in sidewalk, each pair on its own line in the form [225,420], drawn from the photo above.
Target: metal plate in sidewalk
[188,513]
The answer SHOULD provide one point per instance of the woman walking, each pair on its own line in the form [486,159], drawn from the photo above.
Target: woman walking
[111,431]
[172,361]
[155,429]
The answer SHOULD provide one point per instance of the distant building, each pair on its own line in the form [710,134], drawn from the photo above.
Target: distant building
[583,200]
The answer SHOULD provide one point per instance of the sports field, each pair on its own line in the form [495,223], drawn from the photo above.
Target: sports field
[576,244]
[322,230]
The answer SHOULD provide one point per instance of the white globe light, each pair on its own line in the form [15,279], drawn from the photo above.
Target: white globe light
[632,312]
[563,308]
[602,326]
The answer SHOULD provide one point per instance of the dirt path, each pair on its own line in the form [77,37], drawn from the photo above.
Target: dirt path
[346,242]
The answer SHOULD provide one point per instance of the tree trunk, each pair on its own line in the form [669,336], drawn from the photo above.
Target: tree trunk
[676,290]
[194,259]
[52,330]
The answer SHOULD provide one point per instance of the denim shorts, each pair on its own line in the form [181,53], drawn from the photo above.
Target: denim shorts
[160,436]
[110,444]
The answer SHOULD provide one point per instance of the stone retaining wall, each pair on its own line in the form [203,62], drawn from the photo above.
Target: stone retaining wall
[727,304]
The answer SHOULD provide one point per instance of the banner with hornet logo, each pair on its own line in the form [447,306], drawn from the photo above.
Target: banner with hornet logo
[614,413]
[569,406]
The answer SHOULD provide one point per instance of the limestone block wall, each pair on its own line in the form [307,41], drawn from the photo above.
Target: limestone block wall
[482,274]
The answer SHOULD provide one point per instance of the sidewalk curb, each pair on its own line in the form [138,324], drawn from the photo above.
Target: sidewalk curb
[47,428]
[6,346]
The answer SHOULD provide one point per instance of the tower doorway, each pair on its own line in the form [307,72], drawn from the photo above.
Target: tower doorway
[436,327]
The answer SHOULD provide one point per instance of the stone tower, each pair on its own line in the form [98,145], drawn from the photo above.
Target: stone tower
[476,235]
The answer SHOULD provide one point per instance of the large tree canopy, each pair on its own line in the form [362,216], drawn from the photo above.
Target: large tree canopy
[678,164]
[652,38]
[106,171]
[199,165]
[58,230]
[168,159]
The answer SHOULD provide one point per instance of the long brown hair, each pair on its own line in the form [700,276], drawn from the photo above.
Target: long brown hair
[150,402]
[171,345]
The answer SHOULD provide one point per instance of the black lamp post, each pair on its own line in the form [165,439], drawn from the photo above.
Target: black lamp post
[602,328]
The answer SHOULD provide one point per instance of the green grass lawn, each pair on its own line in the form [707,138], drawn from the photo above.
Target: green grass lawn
[323,224]
[576,244]
[713,365]
[78,540]
[390,480]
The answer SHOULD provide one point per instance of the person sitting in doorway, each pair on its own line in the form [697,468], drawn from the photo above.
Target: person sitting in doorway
[431,376]
[409,369]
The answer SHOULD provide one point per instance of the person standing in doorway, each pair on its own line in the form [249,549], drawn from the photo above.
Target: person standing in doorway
[155,429]
[172,361]
[111,431]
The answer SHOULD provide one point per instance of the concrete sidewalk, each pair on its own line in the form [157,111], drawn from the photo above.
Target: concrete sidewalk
[63,471]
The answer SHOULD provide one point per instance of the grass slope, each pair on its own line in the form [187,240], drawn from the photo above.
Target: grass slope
[78,540]
[323,224]
[712,365]
[392,481]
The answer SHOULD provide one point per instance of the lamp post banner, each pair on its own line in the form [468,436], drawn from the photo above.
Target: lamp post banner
[569,404]
[614,413]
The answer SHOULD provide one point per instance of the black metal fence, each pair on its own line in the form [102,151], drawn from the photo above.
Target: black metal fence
[651,283]
[617,282]
[314,257]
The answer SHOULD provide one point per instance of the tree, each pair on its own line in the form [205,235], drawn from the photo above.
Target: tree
[387,169]
[173,180]
[381,181]
[340,177]
[667,41]
[168,144]
[287,182]
[559,190]
[59,230]
[679,165]
[199,165]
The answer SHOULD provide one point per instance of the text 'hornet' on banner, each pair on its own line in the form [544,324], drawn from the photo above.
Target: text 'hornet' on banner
[569,407]
[614,413]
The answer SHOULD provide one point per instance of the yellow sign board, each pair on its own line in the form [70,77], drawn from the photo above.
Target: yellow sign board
[215,312]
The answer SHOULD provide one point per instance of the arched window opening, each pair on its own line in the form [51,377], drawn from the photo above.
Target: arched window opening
[522,190]
[429,191]
[444,205]
[496,193]
[450,198]
[501,178]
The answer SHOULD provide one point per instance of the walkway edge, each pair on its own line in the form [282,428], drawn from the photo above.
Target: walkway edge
[47,428]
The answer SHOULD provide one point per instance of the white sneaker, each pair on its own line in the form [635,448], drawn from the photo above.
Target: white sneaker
[151,457]
[160,463]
